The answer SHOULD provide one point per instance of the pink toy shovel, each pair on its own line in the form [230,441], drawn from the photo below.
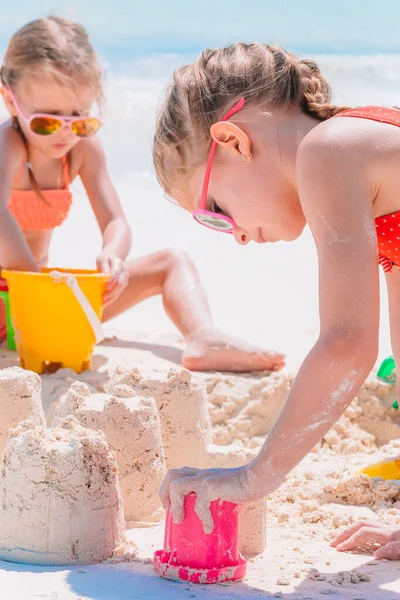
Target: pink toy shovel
[191,555]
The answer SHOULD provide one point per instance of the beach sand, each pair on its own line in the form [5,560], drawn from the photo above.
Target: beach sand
[322,495]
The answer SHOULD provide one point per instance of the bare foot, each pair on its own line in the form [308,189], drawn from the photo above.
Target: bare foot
[218,352]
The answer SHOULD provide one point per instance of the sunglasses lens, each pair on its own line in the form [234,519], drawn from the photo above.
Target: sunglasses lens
[85,127]
[45,125]
[214,222]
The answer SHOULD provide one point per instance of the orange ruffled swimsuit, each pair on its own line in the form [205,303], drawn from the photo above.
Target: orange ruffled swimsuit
[387,226]
[33,214]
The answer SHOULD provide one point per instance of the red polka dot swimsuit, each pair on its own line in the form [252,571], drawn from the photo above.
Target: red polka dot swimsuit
[387,226]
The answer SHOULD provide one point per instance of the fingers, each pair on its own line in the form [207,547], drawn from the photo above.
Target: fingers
[173,474]
[104,264]
[278,365]
[119,277]
[202,509]
[178,489]
[112,294]
[366,536]
[116,270]
[177,485]
[111,265]
[349,531]
[390,551]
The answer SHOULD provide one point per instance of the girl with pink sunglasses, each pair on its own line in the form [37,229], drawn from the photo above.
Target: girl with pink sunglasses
[250,143]
[51,79]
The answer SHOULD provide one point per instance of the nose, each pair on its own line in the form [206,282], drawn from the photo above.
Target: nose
[241,236]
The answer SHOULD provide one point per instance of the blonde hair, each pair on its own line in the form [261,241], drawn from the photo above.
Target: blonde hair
[56,46]
[265,76]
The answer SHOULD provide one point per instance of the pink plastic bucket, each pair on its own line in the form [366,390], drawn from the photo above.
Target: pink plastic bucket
[192,555]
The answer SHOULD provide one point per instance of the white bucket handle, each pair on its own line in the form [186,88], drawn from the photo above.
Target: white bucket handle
[87,308]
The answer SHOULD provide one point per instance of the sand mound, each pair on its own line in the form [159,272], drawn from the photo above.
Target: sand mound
[243,407]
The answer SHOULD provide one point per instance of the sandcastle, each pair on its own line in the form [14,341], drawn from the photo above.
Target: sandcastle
[183,409]
[132,428]
[20,399]
[253,516]
[60,501]
[62,486]
[187,437]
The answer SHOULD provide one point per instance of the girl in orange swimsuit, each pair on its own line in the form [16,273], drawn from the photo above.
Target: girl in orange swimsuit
[247,143]
[51,79]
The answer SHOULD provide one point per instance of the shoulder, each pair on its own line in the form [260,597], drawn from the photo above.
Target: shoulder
[335,174]
[92,149]
[336,152]
[12,148]
[330,139]
[345,140]
[89,153]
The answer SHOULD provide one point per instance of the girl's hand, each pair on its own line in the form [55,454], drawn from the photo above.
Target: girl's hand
[112,265]
[365,535]
[235,485]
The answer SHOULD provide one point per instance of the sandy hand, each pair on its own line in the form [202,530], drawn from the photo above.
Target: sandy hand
[234,485]
[215,351]
[110,264]
[365,535]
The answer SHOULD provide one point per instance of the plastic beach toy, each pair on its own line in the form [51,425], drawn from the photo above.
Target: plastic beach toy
[56,316]
[387,373]
[10,329]
[389,469]
[191,555]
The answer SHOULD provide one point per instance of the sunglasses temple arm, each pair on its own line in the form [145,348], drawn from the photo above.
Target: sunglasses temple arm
[17,106]
[203,200]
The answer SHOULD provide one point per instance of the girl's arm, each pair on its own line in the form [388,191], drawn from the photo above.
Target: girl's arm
[336,199]
[14,250]
[104,200]
[113,225]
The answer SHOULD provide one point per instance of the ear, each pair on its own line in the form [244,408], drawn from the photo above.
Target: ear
[230,136]
[8,101]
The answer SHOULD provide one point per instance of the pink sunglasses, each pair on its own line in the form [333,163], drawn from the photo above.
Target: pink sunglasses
[206,217]
[46,124]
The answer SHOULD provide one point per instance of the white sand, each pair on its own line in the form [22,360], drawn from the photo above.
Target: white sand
[319,498]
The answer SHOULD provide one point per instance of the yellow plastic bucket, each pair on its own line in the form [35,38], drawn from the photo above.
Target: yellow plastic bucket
[387,469]
[56,316]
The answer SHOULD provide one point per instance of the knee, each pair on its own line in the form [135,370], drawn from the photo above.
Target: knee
[174,259]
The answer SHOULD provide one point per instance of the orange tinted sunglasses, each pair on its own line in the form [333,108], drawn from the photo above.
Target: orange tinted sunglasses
[46,124]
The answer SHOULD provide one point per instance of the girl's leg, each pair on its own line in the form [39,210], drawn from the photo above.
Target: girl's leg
[172,274]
